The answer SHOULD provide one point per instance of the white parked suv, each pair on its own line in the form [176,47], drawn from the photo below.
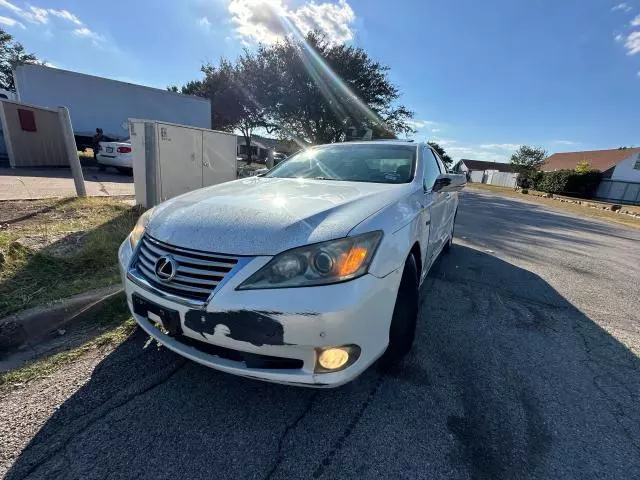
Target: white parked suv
[306,275]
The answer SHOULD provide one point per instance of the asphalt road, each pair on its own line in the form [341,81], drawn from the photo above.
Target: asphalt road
[525,366]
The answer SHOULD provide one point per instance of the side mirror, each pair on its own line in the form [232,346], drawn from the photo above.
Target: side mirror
[449,182]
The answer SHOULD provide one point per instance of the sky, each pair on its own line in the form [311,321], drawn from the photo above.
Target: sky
[481,77]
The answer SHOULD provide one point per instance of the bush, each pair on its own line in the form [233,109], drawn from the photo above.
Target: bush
[570,182]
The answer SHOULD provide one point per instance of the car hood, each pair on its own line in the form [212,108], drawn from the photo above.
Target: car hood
[265,216]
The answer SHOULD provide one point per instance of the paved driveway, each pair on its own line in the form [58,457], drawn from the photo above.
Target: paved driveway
[525,366]
[32,183]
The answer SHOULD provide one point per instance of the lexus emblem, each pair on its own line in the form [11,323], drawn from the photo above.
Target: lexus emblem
[166,268]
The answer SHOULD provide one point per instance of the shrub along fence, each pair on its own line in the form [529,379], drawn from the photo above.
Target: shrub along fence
[568,182]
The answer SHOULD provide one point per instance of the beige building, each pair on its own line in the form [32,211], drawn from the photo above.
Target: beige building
[33,136]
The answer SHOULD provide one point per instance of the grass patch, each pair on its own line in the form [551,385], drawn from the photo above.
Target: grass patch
[114,316]
[53,249]
[577,209]
[41,368]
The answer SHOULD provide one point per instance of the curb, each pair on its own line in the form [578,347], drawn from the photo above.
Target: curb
[37,322]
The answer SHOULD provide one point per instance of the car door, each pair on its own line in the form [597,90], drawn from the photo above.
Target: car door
[436,202]
[450,199]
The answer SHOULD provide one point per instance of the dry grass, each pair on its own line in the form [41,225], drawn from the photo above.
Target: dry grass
[114,316]
[53,249]
[577,209]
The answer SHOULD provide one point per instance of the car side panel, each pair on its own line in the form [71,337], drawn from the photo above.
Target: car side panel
[402,223]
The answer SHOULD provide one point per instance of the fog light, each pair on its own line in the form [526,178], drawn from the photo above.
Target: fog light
[333,358]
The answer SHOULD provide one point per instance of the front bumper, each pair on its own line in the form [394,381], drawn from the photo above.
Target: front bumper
[125,161]
[287,323]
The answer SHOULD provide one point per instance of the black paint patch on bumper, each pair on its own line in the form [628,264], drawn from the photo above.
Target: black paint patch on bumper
[257,328]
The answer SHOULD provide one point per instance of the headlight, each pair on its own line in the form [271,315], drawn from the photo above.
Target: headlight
[138,230]
[319,264]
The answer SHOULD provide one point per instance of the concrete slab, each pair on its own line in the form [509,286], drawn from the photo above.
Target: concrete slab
[35,183]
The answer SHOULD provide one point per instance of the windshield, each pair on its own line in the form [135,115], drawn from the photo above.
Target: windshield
[377,163]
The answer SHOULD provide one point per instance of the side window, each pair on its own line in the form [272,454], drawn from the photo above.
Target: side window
[443,167]
[431,169]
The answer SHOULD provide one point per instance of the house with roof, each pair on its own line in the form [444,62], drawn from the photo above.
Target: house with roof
[467,166]
[493,173]
[260,147]
[620,164]
[620,171]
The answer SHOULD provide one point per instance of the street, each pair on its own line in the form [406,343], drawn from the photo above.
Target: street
[526,365]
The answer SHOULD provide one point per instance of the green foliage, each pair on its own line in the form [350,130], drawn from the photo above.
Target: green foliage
[528,158]
[441,152]
[309,90]
[526,161]
[583,167]
[12,53]
[570,182]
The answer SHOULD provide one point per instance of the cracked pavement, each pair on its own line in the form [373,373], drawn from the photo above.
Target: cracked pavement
[525,366]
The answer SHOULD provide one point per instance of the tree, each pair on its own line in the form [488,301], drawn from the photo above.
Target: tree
[441,152]
[526,161]
[583,167]
[324,91]
[12,53]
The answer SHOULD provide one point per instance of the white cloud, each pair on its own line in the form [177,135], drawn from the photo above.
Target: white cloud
[500,146]
[415,124]
[66,15]
[84,32]
[619,38]
[633,43]
[204,23]
[436,130]
[636,22]
[418,124]
[333,19]
[10,6]
[268,21]
[565,142]
[36,15]
[622,7]
[10,22]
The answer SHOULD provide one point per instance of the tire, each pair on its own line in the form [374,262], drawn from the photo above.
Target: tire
[405,315]
[102,167]
[125,170]
[449,244]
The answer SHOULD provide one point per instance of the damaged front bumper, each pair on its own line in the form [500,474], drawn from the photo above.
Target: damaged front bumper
[273,335]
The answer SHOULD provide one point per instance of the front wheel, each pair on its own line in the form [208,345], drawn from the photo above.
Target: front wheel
[449,244]
[405,315]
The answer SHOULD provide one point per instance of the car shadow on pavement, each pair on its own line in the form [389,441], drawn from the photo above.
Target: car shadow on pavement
[507,379]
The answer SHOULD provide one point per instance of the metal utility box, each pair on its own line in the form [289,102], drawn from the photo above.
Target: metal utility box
[170,159]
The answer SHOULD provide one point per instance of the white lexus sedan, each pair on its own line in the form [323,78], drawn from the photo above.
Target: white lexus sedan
[305,275]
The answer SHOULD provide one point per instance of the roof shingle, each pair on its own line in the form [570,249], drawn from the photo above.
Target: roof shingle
[598,159]
[483,165]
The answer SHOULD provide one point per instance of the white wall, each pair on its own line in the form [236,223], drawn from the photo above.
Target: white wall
[624,170]
[99,102]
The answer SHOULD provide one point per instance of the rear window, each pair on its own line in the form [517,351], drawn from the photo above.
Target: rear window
[376,163]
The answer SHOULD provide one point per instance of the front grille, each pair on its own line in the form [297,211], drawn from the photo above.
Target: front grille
[198,273]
